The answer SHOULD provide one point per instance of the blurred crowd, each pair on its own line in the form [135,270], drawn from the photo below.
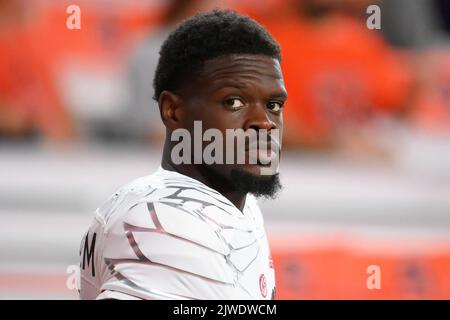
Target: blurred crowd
[346,82]
[353,92]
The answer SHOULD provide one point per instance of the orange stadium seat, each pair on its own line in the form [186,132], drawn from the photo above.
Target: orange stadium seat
[328,269]
[337,72]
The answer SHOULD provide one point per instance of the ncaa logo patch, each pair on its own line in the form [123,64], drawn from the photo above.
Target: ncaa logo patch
[263,285]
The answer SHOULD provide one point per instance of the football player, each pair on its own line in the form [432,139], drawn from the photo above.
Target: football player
[193,230]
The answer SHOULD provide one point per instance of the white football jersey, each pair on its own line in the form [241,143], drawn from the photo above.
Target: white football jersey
[168,236]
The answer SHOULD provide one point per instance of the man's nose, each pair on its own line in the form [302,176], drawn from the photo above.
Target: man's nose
[259,118]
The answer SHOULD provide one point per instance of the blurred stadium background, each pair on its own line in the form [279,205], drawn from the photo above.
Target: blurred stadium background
[366,161]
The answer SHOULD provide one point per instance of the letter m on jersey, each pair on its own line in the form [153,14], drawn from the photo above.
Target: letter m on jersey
[88,253]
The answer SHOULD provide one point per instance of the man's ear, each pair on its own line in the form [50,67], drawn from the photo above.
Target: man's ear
[170,108]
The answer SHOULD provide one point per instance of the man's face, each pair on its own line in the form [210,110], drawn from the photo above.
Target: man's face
[240,91]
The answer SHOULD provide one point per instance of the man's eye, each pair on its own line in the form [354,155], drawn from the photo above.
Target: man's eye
[275,106]
[234,103]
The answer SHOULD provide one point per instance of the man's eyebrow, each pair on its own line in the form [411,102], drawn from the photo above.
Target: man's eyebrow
[241,85]
[238,85]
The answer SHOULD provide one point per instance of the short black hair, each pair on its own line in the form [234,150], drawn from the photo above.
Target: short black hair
[205,36]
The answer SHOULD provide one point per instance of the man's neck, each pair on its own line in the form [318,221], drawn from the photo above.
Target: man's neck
[197,172]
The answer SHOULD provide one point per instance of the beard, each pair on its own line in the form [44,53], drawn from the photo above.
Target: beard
[258,185]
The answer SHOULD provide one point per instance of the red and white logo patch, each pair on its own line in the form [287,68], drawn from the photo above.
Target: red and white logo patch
[263,285]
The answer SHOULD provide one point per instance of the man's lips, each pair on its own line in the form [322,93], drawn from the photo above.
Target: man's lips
[263,156]
[270,145]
